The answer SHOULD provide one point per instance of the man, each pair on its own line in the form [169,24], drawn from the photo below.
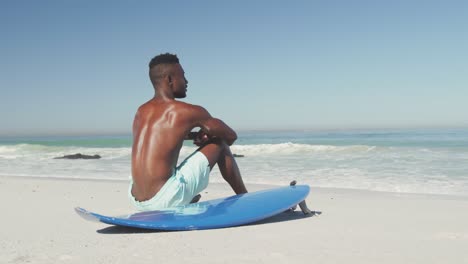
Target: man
[159,129]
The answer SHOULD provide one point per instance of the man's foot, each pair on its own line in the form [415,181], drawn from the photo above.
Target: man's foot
[196,198]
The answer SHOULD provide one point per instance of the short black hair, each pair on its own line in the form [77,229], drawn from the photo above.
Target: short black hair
[165,58]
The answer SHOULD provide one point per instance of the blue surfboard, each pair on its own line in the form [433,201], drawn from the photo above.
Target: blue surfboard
[231,211]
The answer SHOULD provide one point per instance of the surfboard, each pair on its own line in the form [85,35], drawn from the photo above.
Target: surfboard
[225,212]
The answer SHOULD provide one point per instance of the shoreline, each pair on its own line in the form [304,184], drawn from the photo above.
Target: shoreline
[260,186]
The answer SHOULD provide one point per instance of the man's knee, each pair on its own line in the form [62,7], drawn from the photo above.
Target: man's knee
[215,143]
[212,152]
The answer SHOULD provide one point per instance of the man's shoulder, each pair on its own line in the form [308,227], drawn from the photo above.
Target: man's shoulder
[179,107]
[165,104]
[189,107]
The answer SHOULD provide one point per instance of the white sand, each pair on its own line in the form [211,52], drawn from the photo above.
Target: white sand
[39,225]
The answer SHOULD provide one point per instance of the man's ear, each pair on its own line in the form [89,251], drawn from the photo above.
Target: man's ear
[169,78]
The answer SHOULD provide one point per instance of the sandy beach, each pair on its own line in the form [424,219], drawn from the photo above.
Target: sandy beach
[39,225]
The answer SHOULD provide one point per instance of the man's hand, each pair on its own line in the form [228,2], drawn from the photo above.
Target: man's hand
[201,139]
[191,136]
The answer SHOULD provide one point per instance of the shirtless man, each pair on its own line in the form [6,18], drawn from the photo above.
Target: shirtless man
[159,129]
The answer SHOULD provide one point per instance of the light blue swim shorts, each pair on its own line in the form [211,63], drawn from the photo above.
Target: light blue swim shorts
[189,178]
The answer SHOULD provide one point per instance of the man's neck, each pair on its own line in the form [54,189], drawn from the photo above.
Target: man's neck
[163,94]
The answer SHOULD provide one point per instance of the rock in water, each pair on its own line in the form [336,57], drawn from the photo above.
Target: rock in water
[79,156]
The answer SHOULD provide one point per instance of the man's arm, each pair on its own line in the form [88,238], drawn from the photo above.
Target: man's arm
[217,129]
[214,127]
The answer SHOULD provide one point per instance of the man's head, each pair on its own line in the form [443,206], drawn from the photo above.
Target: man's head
[165,71]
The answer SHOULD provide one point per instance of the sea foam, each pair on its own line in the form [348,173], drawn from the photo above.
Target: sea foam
[435,167]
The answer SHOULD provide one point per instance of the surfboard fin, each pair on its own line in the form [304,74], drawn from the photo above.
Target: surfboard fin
[304,208]
[303,204]
[293,183]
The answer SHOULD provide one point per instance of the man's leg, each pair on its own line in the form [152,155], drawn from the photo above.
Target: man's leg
[220,153]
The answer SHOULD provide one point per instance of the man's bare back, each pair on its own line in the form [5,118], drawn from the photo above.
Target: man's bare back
[162,124]
[160,128]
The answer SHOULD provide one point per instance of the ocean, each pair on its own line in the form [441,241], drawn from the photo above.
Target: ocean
[429,161]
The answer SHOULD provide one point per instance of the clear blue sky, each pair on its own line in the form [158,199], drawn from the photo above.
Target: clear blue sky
[71,67]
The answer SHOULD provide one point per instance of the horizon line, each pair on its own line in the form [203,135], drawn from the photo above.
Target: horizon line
[258,130]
